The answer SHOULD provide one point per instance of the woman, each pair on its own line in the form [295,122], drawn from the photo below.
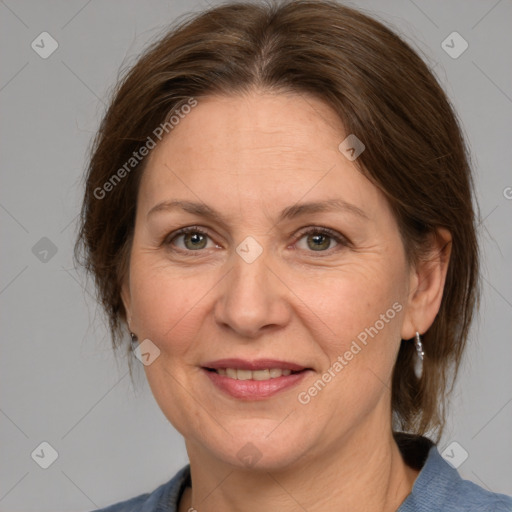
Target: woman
[278,208]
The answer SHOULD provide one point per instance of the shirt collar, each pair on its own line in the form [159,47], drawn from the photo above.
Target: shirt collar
[436,477]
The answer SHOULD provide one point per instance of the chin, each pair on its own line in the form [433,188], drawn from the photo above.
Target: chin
[256,450]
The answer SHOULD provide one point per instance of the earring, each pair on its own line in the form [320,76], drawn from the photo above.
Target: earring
[418,363]
[134,338]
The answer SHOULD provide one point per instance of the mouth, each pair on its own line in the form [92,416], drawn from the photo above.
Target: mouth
[241,374]
[254,380]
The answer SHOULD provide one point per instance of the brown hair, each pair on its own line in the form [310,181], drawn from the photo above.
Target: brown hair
[384,94]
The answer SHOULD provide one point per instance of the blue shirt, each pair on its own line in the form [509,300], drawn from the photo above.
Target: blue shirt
[437,488]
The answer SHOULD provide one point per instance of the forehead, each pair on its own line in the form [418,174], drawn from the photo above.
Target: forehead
[255,148]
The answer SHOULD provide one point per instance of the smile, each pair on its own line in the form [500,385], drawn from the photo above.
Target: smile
[253,380]
[240,374]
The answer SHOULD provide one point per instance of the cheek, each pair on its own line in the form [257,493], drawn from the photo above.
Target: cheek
[357,317]
[358,298]
[166,301]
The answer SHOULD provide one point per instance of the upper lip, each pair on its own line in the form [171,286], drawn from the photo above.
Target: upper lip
[257,364]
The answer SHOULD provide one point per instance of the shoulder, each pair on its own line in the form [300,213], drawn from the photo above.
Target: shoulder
[469,496]
[165,497]
[440,487]
[456,494]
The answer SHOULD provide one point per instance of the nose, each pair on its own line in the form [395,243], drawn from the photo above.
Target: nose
[252,299]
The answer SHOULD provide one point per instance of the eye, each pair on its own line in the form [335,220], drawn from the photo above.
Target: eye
[190,239]
[318,239]
[314,239]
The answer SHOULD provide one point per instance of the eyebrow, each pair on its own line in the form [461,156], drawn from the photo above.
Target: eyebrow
[296,210]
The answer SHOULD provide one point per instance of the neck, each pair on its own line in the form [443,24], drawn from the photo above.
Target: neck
[366,474]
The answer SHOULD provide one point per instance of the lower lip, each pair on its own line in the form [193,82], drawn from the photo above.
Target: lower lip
[254,389]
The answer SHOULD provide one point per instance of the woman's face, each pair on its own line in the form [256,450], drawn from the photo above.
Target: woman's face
[293,262]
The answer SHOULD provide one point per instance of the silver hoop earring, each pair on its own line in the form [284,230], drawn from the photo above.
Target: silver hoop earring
[418,363]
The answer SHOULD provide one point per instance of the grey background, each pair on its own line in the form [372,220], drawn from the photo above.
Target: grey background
[59,380]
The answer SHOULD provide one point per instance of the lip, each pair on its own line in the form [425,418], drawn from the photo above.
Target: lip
[258,364]
[254,389]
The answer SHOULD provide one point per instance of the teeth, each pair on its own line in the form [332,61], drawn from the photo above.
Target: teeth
[231,373]
[243,374]
[261,375]
[236,373]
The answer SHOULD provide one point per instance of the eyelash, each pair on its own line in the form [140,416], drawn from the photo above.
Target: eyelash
[337,237]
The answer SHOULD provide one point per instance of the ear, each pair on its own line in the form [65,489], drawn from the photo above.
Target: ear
[426,285]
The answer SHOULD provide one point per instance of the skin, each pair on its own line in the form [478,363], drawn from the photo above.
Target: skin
[249,157]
